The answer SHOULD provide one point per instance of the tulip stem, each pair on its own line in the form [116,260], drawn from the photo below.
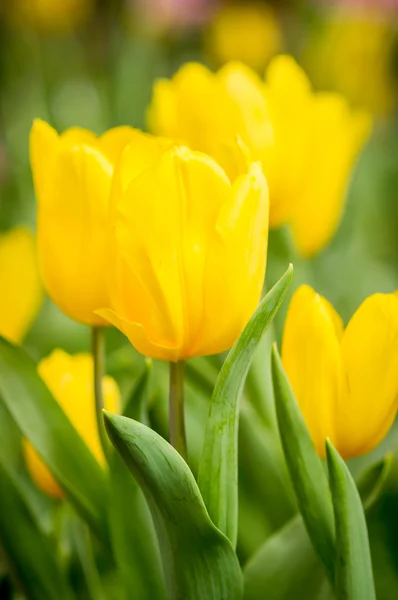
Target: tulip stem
[98,351]
[176,405]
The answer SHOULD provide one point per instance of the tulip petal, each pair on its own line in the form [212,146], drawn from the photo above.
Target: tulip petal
[235,266]
[20,283]
[44,144]
[312,360]
[370,356]
[289,98]
[113,141]
[138,337]
[337,135]
[180,198]
[72,231]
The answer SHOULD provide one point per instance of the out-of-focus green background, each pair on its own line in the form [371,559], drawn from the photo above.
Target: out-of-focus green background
[92,63]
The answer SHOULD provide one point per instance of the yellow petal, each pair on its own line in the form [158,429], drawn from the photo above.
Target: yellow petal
[40,473]
[72,232]
[70,380]
[113,141]
[142,152]
[76,136]
[337,135]
[208,111]
[235,265]
[21,291]
[370,356]
[166,218]
[289,100]
[44,144]
[312,360]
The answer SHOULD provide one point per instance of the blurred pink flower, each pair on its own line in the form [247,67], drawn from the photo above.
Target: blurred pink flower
[175,14]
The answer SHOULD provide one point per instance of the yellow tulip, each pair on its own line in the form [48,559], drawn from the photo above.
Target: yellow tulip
[50,16]
[21,292]
[345,380]
[307,142]
[354,53]
[70,380]
[248,32]
[190,252]
[72,174]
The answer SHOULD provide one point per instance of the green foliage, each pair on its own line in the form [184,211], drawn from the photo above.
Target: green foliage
[353,564]
[218,468]
[44,424]
[198,559]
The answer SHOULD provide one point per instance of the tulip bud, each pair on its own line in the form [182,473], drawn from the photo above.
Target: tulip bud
[190,253]
[21,291]
[345,380]
[72,174]
[70,380]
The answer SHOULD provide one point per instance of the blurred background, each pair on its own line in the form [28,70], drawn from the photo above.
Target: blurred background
[92,63]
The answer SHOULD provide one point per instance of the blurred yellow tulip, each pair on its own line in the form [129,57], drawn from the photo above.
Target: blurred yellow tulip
[50,16]
[354,53]
[72,174]
[247,31]
[307,142]
[190,252]
[70,380]
[21,291]
[345,381]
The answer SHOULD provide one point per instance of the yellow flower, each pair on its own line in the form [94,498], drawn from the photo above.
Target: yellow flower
[307,142]
[70,380]
[20,288]
[345,381]
[72,175]
[248,32]
[190,253]
[50,16]
[354,54]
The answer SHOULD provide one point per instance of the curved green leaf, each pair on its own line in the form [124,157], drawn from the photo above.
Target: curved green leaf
[41,420]
[306,471]
[198,559]
[353,567]
[133,537]
[28,551]
[285,565]
[219,462]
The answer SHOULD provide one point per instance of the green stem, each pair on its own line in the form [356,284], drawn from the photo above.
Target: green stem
[176,405]
[98,351]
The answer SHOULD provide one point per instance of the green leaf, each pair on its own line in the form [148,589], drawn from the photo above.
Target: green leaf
[371,482]
[133,537]
[353,567]
[198,559]
[28,551]
[43,422]
[285,565]
[218,468]
[306,470]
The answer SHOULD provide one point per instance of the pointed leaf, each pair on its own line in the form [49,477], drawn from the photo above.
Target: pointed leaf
[198,559]
[353,569]
[28,552]
[306,471]
[218,468]
[41,420]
